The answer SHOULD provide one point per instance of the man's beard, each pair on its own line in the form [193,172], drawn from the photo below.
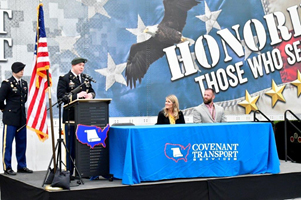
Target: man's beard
[208,101]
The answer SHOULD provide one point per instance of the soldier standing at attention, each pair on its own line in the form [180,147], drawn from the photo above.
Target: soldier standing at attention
[14,92]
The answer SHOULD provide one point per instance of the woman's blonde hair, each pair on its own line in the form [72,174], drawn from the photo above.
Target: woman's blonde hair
[175,106]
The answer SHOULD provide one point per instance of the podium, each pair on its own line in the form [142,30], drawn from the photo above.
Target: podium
[91,162]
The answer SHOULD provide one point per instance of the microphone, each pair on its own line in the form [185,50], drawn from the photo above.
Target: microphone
[76,90]
[86,76]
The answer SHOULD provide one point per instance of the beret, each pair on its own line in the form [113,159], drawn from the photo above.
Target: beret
[75,61]
[17,67]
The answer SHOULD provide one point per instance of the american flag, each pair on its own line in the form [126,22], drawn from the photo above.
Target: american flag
[37,112]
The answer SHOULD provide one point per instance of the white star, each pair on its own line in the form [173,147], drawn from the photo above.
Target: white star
[210,18]
[96,7]
[141,36]
[247,50]
[113,73]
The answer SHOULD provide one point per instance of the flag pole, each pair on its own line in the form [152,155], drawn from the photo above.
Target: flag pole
[51,121]
[51,116]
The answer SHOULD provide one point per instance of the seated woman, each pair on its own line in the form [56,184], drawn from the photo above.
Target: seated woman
[171,113]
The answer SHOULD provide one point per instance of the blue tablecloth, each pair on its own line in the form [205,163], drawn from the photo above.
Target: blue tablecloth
[151,153]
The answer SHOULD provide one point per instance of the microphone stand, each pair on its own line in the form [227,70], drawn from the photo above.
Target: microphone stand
[60,140]
[75,90]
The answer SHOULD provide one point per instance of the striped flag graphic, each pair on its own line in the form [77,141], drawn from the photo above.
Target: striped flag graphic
[37,112]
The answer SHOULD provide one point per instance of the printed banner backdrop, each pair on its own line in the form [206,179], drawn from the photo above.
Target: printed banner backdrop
[235,51]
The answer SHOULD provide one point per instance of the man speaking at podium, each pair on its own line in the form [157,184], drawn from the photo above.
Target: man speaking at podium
[68,90]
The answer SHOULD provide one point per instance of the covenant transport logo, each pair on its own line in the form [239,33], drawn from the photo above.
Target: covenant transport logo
[202,151]
[176,152]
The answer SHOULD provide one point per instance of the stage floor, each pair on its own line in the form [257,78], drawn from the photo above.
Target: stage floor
[36,179]
[204,185]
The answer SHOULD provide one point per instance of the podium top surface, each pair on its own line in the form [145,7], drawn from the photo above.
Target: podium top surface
[87,101]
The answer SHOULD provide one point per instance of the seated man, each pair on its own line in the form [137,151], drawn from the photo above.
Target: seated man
[208,112]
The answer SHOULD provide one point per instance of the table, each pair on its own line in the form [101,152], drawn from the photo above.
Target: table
[157,152]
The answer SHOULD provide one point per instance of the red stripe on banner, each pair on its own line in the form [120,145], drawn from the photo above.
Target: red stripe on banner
[288,72]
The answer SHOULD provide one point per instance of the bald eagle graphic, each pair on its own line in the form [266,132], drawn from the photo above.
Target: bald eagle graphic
[165,34]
